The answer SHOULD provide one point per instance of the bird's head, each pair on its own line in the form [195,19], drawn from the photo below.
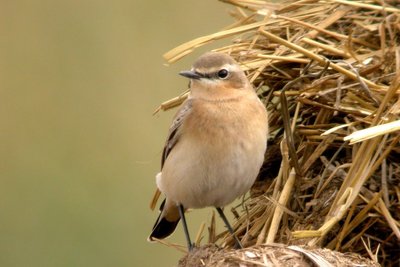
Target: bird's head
[217,71]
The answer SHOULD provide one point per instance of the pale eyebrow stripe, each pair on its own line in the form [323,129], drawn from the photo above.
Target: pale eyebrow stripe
[229,67]
[214,71]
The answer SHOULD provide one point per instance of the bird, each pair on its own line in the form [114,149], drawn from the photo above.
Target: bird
[215,145]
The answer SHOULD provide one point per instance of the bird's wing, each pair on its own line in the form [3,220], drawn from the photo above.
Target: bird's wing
[173,137]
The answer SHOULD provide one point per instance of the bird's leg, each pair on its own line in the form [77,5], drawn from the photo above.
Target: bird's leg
[221,213]
[185,228]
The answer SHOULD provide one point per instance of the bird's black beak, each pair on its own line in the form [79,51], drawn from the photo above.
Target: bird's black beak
[191,74]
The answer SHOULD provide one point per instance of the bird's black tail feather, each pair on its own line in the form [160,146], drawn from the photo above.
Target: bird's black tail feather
[163,227]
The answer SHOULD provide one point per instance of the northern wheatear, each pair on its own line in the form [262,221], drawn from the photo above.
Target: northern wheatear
[215,146]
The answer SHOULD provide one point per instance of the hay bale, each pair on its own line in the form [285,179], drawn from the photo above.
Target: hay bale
[329,74]
[272,255]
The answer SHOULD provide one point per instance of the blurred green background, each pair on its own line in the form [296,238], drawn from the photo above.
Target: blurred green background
[79,147]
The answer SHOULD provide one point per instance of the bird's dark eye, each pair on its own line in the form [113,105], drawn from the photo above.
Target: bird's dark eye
[222,74]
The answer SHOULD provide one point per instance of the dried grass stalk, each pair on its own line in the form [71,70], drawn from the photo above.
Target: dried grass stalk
[332,68]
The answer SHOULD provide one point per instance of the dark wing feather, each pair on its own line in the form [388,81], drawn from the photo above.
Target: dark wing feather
[173,137]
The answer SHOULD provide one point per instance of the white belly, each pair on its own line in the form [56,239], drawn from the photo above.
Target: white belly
[211,173]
